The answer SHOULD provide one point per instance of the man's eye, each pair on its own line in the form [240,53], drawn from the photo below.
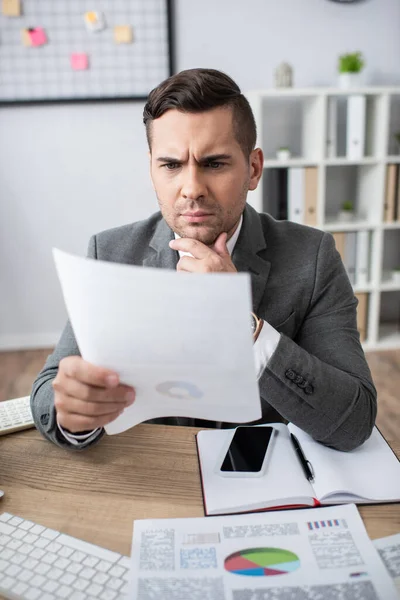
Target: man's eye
[214,165]
[171,166]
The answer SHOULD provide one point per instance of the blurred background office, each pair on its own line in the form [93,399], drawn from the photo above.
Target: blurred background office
[71,169]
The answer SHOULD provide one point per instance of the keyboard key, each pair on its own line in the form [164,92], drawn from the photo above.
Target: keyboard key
[42,542]
[6,529]
[50,558]
[54,573]
[26,525]
[37,553]
[30,538]
[78,596]
[87,573]
[38,580]
[65,552]
[42,568]
[62,563]
[37,529]
[4,517]
[108,595]
[94,589]
[18,558]
[25,549]
[50,534]
[117,571]
[33,594]
[80,584]
[25,575]
[74,568]
[14,544]
[67,579]
[4,539]
[63,591]
[53,547]
[114,583]
[31,563]
[101,578]
[51,586]
[90,561]
[19,534]
[15,521]
[7,553]
[20,588]
[8,582]
[103,566]
[12,570]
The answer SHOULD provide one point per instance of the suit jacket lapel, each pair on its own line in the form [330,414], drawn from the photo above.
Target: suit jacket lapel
[160,255]
[245,254]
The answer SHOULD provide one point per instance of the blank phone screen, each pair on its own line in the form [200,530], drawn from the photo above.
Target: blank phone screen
[247,449]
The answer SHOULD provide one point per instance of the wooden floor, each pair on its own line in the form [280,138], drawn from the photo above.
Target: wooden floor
[19,369]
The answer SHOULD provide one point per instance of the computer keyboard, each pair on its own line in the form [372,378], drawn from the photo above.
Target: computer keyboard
[15,415]
[37,563]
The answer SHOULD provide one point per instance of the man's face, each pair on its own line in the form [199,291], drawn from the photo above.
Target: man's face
[199,172]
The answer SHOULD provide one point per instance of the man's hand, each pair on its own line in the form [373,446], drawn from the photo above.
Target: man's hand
[86,396]
[204,259]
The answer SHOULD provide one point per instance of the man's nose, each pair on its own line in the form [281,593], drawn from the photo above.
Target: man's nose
[193,184]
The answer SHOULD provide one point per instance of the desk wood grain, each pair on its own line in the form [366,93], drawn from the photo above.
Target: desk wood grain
[150,471]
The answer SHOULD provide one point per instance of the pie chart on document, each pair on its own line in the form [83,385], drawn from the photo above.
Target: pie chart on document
[262,562]
[182,390]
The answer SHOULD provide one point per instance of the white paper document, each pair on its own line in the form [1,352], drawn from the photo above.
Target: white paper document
[312,554]
[389,551]
[182,340]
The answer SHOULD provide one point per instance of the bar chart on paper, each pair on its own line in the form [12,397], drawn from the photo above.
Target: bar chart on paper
[262,562]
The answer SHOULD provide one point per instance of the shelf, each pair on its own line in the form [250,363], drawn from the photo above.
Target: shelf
[395,225]
[389,286]
[331,225]
[392,159]
[363,289]
[275,163]
[323,91]
[343,161]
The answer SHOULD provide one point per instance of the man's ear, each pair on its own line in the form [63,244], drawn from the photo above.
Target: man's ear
[256,167]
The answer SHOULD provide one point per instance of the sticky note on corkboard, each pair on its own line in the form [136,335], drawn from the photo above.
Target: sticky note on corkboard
[11,8]
[123,34]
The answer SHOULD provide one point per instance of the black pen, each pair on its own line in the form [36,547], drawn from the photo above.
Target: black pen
[307,466]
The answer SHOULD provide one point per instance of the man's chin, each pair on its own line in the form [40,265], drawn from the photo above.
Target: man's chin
[202,233]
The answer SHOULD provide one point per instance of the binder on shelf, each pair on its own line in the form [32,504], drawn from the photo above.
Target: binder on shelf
[331,133]
[355,139]
[350,245]
[310,196]
[362,315]
[397,200]
[362,258]
[339,238]
[391,193]
[296,195]
[282,194]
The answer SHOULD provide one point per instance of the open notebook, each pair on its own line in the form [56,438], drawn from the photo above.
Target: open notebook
[369,474]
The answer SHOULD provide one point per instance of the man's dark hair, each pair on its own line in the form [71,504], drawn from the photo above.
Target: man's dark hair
[198,90]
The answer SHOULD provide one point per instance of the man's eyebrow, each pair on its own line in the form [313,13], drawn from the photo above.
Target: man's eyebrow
[204,159]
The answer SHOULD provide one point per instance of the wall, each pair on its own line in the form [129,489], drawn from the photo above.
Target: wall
[67,171]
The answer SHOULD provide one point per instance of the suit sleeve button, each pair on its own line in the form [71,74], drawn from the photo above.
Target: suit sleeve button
[308,389]
[290,374]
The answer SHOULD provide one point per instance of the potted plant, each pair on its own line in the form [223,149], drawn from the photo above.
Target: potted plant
[350,66]
[396,274]
[283,153]
[346,212]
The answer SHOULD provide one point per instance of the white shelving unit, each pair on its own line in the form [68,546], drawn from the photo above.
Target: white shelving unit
[301,119]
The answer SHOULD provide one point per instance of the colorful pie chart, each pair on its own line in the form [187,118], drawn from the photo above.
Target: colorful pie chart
[262,562]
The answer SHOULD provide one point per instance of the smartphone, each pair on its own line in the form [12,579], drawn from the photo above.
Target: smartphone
[248,452]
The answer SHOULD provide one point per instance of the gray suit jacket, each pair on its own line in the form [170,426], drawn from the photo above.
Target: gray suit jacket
[318,377]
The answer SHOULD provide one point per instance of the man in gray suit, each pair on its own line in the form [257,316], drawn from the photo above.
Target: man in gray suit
[203,161]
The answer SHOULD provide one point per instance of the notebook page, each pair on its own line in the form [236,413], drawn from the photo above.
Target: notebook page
[283,482]
[370,472]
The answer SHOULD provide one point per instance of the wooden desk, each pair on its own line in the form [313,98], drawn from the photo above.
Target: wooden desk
[149,471]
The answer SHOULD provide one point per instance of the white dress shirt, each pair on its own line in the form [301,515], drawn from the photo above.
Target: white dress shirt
[264,347]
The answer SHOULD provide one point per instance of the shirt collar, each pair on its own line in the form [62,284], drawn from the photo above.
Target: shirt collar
[230,244]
